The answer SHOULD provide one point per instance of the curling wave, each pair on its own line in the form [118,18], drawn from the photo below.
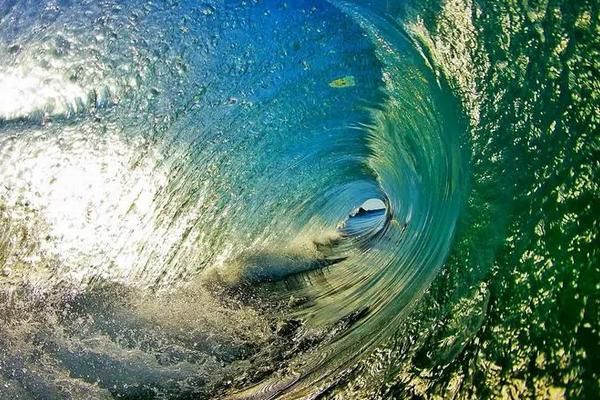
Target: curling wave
[185,187]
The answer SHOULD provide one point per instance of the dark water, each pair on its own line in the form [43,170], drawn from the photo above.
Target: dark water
[179,184]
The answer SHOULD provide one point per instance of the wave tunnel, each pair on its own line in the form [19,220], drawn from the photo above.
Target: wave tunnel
[301,200]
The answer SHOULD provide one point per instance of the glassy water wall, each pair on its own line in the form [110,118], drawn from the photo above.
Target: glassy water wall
[308,199]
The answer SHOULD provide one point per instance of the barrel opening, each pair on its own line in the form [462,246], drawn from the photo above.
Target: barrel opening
[366,220]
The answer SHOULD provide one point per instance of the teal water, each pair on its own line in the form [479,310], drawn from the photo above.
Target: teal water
[180,182]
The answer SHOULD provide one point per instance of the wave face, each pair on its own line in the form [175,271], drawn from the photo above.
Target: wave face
[182,182]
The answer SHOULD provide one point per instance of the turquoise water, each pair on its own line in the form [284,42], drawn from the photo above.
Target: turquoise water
[181,180]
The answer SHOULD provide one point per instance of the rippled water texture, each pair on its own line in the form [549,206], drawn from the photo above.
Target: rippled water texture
[307,199]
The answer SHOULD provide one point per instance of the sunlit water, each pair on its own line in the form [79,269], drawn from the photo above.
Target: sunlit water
[337,199]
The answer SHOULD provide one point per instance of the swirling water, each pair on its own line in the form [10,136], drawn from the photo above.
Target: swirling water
[181,183]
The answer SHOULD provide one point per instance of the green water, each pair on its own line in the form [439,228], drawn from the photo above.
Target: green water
[514,312]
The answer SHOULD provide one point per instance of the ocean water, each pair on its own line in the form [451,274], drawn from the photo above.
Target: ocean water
[181,186]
